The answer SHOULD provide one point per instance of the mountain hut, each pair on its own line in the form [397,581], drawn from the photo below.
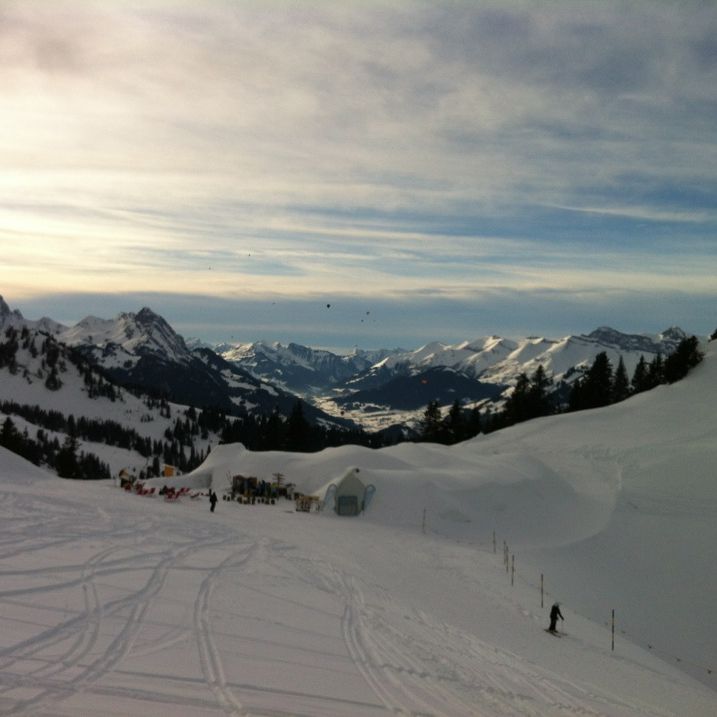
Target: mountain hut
[349,495]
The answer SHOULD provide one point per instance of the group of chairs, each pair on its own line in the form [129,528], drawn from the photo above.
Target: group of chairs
[169,492]
[249,499]
[139,489]
[172,494]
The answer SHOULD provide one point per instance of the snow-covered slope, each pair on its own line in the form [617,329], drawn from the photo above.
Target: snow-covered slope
[632,482]
[14,469]
[119,604]
[75,395]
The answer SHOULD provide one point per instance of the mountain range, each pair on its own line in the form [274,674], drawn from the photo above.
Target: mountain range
[381,388]
[370,388]
[141,350]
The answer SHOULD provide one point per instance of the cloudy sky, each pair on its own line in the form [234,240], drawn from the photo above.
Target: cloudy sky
[361,173]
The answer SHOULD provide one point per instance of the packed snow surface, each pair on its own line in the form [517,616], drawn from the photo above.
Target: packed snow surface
[116,604]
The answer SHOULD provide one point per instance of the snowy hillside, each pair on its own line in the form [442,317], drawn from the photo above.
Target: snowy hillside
[119,604]
[79,394]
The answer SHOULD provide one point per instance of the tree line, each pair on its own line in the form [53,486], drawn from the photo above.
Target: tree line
[177,449]
[600,385]
[64,458]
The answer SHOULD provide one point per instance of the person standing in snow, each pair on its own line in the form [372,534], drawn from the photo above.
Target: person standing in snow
[554,615]
[212,500]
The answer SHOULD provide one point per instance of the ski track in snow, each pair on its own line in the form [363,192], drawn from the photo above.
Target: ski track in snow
[82,632]
[421,670]
[67,658]
[88,612]
[210,656]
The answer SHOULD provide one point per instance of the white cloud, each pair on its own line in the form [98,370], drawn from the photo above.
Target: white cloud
[339,144]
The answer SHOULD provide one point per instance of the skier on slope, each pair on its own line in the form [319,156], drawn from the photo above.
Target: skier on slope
[554,615]
[212,500]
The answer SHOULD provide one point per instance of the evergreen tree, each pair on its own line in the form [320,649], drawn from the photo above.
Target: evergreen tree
[640,377]
[431,429]
[594,388]
[517,406]
[599,382]
[576,396]
[475,424]
[621,384]
[656,372]
[66,459]
[530,399]
[8,350]
[488,422]
[272,432]
[51,350]
[297,429]
[9,436]
[53,381]
[686,356]
[455,423]
[539,403]
[90,467]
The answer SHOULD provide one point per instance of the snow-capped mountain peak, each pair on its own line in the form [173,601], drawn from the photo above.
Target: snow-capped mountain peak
[129,335]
